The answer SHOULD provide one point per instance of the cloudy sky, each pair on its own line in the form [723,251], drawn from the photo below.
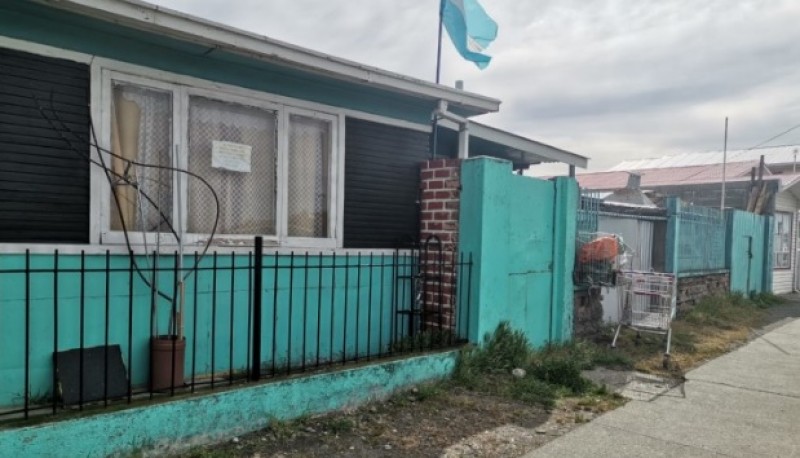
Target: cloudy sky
[610,79]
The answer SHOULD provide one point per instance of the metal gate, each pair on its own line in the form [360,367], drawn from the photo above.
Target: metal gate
[427,290]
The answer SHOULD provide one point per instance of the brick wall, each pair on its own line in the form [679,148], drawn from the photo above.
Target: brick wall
[692,289]
[439,203]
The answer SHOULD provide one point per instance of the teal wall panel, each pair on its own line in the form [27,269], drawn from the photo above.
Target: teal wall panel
[521,232]
[745,251]
[178,424]
[748,262]
[41,24]
[565,228]
[293,307]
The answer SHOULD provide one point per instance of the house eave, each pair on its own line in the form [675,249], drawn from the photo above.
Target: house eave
[166,22]
[529,151]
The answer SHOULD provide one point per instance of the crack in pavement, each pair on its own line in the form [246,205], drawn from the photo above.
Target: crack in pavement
[744,388]
[776,346]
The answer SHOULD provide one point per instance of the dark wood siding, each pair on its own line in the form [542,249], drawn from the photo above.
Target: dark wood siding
[381,185]
[44,182]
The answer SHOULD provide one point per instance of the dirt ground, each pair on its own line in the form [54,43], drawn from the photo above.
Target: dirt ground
[431,421]
[417,423]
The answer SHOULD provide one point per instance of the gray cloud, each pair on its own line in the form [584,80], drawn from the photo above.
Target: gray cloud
[612,79]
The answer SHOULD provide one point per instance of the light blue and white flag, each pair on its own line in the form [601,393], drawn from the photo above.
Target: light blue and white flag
[470,28]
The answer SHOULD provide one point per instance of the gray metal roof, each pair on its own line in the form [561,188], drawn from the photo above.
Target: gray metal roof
[772,155]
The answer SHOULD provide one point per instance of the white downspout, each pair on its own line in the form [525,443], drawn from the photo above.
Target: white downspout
[463,127]
[463,141]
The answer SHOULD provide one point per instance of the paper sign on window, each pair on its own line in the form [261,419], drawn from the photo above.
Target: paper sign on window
[230,156]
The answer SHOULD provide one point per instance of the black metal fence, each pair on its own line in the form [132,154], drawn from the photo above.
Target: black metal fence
[84,330]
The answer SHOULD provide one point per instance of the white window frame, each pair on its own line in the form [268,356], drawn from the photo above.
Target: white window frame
[104,139]
[333,174]
[237,239]
[182,87]
[789,217]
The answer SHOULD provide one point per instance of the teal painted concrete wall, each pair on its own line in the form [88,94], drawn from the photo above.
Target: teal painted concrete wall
[748,245]
[521,232]
[180,423]
[340,302]
[40,24]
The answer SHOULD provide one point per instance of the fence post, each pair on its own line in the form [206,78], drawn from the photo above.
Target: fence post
[731,234]
[255,365]
[673,234]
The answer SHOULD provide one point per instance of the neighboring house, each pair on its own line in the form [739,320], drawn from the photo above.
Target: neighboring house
[697,179]
[306,149]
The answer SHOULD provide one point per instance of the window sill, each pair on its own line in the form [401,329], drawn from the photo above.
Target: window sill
[167,250]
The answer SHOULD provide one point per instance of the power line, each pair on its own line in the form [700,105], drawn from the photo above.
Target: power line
[797,126]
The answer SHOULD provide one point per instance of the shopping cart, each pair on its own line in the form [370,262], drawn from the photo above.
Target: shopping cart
[647,304]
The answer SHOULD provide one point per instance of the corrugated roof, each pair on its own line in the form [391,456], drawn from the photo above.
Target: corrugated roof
[617,179]
[772,155]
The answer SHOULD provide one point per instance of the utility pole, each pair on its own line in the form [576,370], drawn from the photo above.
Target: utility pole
[724,165]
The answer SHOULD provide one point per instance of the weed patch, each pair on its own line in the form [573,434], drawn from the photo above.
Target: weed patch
[561,372]
[338,425]
[531,390]
[282,429]
[549,373]
[429,391]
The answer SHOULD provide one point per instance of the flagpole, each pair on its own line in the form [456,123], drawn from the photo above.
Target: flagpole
[435,122]
[439,46]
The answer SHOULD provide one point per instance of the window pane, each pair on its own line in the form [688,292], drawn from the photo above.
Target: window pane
[309,156]
[241,170]
[141,131]
[783,239]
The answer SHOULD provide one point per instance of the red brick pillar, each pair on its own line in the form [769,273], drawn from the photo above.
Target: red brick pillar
[441,184]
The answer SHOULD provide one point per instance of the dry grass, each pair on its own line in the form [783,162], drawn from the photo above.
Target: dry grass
[713,327]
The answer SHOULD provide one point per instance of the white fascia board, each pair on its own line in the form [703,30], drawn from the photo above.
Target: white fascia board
[792,186]
[167,22]
[544,152]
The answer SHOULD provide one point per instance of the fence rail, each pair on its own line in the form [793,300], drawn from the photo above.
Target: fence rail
[83,330]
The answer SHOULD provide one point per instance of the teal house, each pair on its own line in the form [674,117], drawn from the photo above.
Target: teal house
[143,151]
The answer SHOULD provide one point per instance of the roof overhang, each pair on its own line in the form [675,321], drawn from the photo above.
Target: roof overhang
[520,149]
[791,185]
[166,22]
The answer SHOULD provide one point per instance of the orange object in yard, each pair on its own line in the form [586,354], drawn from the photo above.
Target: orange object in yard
[604,248]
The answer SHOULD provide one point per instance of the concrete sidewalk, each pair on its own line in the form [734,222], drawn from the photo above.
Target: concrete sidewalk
[743,404]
